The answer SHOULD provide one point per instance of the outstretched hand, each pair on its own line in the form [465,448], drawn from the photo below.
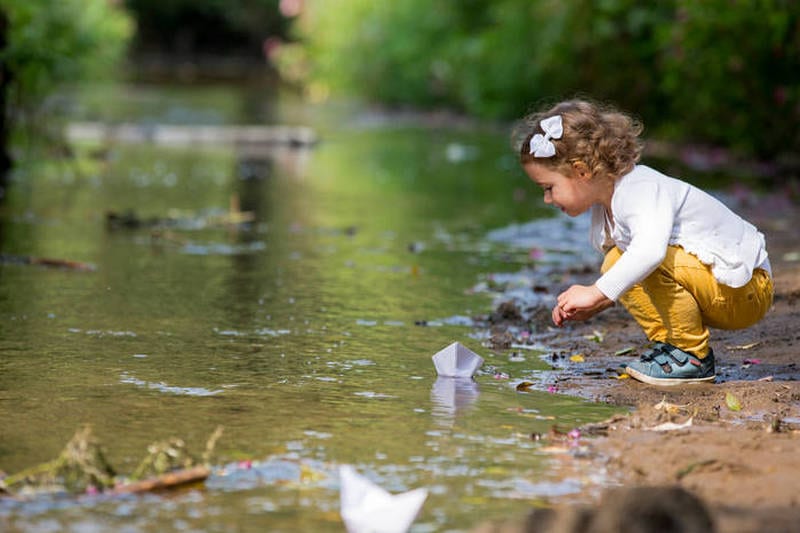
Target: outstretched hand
[579,302]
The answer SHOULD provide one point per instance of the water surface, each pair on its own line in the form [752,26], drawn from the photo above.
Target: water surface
[299,332]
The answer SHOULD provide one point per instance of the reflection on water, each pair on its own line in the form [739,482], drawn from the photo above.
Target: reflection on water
[170,389]
[306,332]
[453,395]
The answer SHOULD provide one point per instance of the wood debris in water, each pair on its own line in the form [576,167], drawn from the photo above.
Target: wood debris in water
[168,480]
[82,468]
[46,262]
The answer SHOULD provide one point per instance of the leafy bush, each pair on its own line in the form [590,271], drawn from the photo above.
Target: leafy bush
[732,73]
[383,51]
[52,42]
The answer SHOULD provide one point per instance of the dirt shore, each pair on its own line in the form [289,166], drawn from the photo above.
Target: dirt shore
[734,444]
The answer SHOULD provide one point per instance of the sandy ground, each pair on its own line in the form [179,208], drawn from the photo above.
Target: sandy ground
[742,464]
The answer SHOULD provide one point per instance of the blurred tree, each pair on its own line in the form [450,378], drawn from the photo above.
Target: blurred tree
[5,81]
[383,51]
[48,43]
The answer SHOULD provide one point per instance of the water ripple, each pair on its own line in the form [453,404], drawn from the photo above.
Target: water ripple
[169,389]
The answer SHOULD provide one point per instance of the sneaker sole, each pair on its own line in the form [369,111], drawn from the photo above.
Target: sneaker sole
[665,382]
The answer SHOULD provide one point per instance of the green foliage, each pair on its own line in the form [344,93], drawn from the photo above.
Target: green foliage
[714,71]
[52,42]
[732,72]
[381,50]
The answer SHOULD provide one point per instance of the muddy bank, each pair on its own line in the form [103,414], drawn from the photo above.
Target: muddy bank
[733,444]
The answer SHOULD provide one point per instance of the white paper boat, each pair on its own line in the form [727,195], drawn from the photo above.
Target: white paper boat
[367,508]
[457,361]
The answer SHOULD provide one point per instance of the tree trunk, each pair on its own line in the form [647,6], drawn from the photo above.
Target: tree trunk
[5,83]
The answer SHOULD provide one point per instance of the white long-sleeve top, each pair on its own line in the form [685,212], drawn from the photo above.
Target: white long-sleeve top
[651,211]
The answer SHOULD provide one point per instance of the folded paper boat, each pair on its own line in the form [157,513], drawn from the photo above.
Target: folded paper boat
[457,361]
[367,508]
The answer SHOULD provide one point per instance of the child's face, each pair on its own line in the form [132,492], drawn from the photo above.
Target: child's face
[572,194]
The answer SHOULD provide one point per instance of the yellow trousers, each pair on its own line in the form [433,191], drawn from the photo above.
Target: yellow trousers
[681,299]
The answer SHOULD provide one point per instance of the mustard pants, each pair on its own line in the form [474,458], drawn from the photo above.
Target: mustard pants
[681,299]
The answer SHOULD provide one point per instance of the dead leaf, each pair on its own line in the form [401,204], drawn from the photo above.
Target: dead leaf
[744,346]
[670,408]
[524,386]
[596,336]
[577,358]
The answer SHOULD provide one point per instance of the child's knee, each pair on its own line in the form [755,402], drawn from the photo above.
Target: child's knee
[744,306]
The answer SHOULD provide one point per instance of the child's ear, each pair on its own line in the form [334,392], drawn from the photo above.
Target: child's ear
[581,170]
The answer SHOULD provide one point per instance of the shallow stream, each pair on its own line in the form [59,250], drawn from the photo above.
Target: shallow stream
[307,333]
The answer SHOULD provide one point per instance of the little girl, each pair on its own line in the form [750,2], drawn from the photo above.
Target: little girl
[678,259]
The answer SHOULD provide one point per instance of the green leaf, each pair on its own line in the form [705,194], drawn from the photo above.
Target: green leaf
[733,402]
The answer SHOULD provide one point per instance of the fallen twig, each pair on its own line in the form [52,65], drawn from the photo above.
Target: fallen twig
[164,481]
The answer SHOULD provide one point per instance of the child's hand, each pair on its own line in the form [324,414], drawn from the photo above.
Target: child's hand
[579,302]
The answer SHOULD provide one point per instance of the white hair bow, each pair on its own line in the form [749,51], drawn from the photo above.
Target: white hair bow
[541,145]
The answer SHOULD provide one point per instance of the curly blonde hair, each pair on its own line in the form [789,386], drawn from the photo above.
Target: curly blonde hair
[600,136]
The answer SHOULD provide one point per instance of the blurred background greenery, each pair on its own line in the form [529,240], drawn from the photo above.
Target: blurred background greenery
[717,72]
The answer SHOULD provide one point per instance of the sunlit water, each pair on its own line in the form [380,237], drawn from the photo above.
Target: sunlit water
[300,332]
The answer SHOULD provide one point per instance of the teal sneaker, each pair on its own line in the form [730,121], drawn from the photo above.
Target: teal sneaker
[667,365]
